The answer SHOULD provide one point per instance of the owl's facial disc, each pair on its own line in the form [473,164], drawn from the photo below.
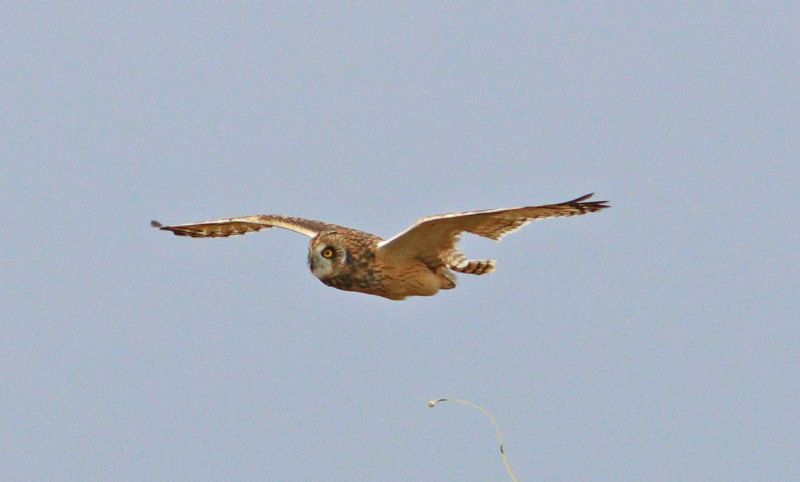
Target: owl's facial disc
[324,259]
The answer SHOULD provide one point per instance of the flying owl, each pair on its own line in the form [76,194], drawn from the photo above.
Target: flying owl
[419,261]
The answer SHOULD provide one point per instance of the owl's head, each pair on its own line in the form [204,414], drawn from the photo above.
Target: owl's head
[327,255]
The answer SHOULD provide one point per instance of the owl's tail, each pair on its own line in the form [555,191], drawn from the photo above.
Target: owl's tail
[475,266]
[458,262]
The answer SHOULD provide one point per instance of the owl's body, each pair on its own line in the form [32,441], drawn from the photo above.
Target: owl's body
[361,266]
[417,262]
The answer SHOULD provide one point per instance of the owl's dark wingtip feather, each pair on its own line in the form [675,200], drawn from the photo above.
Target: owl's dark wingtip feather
[596,205]
[593,205]
[156,224]
[582,198]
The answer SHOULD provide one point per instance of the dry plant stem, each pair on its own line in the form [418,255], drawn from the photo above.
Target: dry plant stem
[506,463]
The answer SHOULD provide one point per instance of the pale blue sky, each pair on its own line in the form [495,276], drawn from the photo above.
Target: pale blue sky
[657,340]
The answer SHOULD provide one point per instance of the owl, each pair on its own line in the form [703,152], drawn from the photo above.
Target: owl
[419,261]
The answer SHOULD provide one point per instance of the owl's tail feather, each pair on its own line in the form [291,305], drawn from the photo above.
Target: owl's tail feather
[474,266]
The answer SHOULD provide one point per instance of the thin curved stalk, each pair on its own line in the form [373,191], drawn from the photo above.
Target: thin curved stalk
[506,463]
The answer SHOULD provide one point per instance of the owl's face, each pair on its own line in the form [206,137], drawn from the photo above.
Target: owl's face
[327,255]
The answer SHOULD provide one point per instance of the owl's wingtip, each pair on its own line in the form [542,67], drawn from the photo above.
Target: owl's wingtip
[582,198]
[156,224]
[592,205]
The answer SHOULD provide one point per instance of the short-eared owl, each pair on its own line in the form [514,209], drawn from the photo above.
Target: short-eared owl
[417,262]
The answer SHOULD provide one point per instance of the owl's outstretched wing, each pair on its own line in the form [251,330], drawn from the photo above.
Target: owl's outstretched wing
[433,239]
[247,224]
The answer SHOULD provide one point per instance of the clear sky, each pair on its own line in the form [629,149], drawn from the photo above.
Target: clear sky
[657,340]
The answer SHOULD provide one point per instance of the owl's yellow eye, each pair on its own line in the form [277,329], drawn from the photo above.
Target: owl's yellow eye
[327,253]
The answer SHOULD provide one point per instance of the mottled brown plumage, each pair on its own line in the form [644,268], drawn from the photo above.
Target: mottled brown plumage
[417,262]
